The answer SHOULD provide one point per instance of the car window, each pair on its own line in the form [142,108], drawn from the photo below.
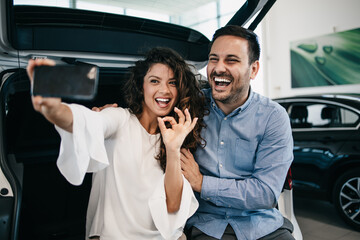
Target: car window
[314,115]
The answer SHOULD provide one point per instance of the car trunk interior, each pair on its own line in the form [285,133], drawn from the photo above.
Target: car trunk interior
[50,207]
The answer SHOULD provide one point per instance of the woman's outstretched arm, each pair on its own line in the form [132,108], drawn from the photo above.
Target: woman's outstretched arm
[173,139]
[52,108]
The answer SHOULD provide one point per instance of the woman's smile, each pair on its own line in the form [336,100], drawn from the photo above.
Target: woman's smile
[162,102]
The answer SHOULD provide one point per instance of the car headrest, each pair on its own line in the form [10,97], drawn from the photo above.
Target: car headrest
[328,112]
[299,112]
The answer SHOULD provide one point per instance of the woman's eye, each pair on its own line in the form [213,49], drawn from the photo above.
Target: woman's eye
[172,83]
[154,81]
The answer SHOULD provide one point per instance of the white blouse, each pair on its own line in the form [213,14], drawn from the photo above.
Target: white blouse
[127,199]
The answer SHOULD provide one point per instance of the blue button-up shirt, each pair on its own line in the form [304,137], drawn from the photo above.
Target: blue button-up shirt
[244,163]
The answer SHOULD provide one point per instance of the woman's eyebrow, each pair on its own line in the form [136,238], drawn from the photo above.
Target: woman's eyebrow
[153,76]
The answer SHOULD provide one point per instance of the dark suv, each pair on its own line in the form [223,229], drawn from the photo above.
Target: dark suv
[326,131]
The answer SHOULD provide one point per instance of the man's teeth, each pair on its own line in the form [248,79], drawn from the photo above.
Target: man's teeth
[222,80]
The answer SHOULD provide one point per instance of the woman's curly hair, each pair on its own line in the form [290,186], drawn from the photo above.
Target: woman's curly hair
[189,94]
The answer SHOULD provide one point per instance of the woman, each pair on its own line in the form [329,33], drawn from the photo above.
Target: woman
[138,189]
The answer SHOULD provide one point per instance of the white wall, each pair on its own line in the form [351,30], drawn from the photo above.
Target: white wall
[292,20]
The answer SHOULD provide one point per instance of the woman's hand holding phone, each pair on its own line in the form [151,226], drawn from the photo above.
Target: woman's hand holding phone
[42,104]
[50,107]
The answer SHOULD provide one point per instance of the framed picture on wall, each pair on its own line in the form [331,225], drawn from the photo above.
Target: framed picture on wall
[328,60]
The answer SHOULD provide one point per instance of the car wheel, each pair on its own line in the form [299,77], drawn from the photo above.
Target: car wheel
[347,197]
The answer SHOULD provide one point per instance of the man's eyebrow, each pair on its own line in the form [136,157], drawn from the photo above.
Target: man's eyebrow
[232,56]
[227,56]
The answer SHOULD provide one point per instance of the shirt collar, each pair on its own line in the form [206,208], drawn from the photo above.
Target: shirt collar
[241,108]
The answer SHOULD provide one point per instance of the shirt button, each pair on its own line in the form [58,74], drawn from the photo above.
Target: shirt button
[225,118]
[220,165]
[208,199]
[222,143]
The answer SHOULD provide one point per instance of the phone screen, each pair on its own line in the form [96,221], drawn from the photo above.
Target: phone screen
[66,81]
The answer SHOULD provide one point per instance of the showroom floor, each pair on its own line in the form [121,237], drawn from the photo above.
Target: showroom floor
[318,220]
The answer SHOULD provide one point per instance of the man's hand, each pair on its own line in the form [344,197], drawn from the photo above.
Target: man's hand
[190,169]
[98,109]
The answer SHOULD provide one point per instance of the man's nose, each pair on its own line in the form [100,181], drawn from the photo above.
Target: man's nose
[220,67]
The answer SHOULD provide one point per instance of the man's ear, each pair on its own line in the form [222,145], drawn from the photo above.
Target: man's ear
[254,69]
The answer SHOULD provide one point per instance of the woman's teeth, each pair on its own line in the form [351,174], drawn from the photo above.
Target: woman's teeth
[162,101]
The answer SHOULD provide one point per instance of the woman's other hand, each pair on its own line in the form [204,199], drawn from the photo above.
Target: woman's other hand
[174,137]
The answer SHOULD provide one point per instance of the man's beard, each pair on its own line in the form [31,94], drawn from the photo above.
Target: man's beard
[232,97]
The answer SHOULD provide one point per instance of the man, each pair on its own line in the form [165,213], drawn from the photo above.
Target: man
[239,174]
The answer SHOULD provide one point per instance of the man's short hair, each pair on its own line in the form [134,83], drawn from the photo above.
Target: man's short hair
[238,31]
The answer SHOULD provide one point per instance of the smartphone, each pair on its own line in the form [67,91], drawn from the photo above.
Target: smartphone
[78,82]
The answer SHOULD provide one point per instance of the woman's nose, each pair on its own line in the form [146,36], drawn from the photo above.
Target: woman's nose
[164,88]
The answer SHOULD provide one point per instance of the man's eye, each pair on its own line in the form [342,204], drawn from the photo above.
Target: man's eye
[232,60]
[213,59]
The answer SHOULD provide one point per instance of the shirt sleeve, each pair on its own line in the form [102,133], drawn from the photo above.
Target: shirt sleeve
[171,225]
[261,190]
[83,150]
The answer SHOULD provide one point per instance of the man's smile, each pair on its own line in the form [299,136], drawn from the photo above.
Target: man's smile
[221,81]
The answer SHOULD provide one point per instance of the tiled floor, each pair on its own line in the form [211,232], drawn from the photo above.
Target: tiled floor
[318,220]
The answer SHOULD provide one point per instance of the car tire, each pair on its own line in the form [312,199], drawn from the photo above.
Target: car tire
[346,197]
